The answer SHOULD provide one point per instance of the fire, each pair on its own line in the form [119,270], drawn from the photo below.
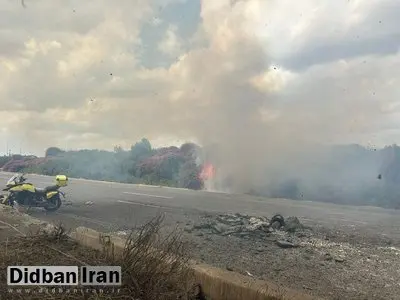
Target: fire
[207,172]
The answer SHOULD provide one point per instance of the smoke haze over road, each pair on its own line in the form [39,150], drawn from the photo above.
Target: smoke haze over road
[262,85]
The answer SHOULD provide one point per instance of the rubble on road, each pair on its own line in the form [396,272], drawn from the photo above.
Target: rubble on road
[286,244]
[292,224]
[246,226]
[335,263]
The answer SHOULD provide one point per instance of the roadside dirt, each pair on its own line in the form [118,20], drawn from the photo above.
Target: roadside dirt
[22,224]
[340,262]
[346,263]
[146,274]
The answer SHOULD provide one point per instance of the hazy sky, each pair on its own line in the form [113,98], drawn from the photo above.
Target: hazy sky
[97,73]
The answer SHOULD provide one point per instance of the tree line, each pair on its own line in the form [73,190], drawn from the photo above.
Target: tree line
[352,174]
[169,166]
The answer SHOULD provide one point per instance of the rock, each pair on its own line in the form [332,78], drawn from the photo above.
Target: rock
[48,228]
[229,268]
[286,244]
[276,225]
[277,218]
[122,233]
[249,274]
[188,229]
[202,226]
[328,257]
[301,235]
[260,250]
[221,228]
[292,224]
[246,227]
[339,259]
[231,220]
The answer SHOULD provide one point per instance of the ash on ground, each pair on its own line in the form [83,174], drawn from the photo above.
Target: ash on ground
[287,232]
[327,263]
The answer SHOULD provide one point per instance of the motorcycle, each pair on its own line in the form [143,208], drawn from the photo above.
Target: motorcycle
[26,194]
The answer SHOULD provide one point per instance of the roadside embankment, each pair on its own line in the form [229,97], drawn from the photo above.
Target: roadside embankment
[29,241]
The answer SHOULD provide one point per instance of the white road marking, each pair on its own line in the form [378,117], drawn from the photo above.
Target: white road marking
[142,204]
[9,174]
[148,195]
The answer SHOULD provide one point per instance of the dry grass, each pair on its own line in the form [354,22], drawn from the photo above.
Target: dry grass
[153,267]
[166,273]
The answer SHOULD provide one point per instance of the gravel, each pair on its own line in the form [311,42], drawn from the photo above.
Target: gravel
[333,264]
[348,260]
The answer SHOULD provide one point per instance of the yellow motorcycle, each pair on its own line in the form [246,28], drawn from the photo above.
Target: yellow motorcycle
[26,194]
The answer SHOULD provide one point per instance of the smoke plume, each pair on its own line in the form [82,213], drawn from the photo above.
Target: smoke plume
[257,134]
[260,123]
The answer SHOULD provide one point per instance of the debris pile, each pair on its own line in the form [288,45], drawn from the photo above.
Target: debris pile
[247,226]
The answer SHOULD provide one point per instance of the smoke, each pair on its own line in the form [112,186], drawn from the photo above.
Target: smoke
[260,124]
[270,131]
[254,132]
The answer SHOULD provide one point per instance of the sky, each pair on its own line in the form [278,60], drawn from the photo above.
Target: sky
[262,77]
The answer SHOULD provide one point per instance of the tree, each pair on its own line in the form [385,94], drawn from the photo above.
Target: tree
[189,149]
[53,151]
[189,176]
[118,149]
[141,149]
[169,167]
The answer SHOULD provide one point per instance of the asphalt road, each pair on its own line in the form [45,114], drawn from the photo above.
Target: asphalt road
[116,206]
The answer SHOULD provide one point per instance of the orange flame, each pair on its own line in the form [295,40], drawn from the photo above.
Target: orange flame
[207,172]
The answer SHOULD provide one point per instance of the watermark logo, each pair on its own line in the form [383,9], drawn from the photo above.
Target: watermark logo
[65,290]
[101,275]
[64,276]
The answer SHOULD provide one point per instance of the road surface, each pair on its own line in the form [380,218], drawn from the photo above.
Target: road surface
[371,271]
[113,206]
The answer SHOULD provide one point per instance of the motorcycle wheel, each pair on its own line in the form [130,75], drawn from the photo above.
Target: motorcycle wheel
[11,201]
[53,204]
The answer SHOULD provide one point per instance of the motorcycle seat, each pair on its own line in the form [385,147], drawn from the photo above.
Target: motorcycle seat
[40,190]
[46,189]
